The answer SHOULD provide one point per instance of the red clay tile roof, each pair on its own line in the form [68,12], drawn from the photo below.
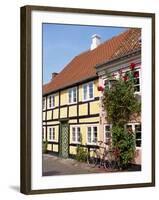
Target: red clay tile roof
[82,67]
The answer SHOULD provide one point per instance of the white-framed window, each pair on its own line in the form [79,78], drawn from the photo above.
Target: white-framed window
[43,134]
[88,91]
[107,83]
[51,135]
[137,80]
[51,102]
[76,134]
[44,103]
[107,133]
[92,134]
[136,129]
[72,95]
[138,134]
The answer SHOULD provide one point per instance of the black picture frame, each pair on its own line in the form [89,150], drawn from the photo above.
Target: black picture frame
[25,154]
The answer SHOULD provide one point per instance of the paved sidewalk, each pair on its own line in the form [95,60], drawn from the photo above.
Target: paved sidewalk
[53,165]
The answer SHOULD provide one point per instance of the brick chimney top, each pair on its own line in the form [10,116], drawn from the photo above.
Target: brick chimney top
[54,74]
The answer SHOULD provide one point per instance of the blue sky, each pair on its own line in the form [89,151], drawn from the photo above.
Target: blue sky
[61,43]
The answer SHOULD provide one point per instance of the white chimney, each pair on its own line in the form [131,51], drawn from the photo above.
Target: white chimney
[95,41]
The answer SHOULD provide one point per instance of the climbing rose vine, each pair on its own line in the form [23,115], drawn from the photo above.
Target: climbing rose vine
[120,103]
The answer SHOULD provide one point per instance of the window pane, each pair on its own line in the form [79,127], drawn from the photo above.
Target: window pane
[136,74]
[53,101]
[49,101]
[74,95]
[138,143]
[108,134]
[78,134]
[73,134]
[137,81]
[94,134]
[94,137]
[53,132]
[85,92]
[69,95]
[137,88]
[107,128]
[49,133]
[138,127]
[90,90]
[43,136]
[129,127]
[106,83]
[89,134]
[138,135]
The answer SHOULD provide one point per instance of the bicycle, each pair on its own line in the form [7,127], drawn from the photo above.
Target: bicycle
[102,156]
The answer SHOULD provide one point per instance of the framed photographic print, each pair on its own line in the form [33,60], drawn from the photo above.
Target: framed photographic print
[87,99]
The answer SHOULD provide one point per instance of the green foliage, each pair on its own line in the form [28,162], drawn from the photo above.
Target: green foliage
[44,146]
[125,142]
[81,154]
[120,103]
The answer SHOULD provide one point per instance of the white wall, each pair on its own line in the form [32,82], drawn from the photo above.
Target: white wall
[9,101]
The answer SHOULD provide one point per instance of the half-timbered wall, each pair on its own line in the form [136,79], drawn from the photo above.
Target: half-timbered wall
[81,113]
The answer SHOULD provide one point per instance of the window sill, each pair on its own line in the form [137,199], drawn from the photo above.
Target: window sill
[87,99]
[73,103]
[76,143]
[92,144]
[138,148]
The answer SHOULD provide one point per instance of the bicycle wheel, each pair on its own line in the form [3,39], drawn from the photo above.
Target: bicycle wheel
[92,159]
[107,164]
[113,164]
[107,161]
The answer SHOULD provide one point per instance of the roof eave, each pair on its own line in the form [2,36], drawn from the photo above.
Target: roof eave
[71,85]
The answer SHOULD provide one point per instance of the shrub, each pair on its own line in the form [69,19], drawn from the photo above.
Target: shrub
[81,154]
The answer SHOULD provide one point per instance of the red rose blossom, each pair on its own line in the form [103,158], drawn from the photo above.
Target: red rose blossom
[136,74]
[100,88]
[125,78]
[132,66]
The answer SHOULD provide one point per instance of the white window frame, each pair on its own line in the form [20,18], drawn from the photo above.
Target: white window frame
[133,129]
[92,134]
[87,89]
[72,95]
[105,138]
[138,92]
[52,134]
[124,72]
[43,134]
[76,134]
[52,101]
[109,84]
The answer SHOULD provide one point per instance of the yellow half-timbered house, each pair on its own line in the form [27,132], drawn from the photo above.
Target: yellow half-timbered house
[72,100]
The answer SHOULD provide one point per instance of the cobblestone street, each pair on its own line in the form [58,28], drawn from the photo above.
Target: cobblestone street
[53,165]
